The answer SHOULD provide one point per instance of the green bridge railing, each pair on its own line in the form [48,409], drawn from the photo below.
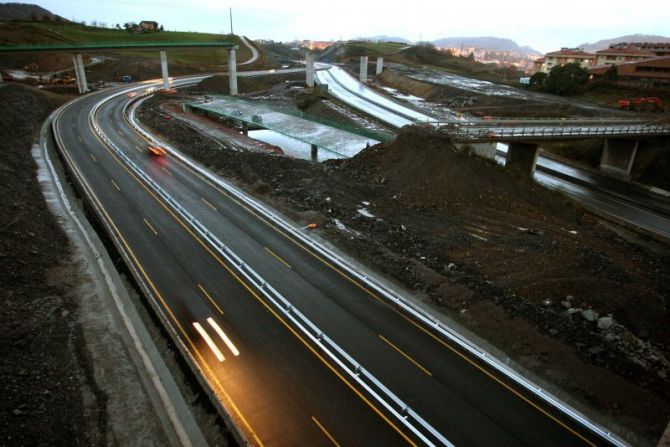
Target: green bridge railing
[112,45]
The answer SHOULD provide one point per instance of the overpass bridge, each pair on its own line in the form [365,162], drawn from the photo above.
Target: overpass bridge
[77,48]
[623,139]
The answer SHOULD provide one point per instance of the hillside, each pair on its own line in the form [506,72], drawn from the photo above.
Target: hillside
[383,38]
[423,55]
[21,32]
[605,43]
[492,43]
[25,11]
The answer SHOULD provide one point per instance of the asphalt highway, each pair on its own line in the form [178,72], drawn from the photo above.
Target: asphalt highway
[279,386]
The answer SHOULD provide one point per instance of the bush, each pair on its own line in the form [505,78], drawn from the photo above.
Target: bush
[567,79]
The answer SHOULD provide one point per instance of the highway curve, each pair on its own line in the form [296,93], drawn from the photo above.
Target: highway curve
[284,388]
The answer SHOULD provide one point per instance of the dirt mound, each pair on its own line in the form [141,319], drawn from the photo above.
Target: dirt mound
[42,373]
[220,84]
[430,172]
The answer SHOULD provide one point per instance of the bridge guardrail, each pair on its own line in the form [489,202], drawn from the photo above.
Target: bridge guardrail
[477,132]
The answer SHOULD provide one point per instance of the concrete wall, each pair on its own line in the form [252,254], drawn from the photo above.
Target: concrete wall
[522,158]
[363,77]
[618,157]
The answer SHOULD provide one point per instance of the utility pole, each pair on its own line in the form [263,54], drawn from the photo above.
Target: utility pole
[230,11]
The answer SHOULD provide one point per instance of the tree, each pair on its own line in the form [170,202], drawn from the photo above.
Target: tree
[117,26]
[612,73]
[161,29]
[538,78]
[566,79]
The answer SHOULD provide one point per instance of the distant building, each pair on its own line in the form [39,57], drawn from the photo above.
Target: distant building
[148,25]
[658,48]
[616,55]
[650,72]
[566,56]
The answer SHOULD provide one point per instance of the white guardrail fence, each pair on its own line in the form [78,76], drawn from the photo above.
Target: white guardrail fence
[395,405]
[476,132]
[392,403]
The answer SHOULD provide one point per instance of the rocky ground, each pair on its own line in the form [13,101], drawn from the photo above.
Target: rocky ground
[577,302]
[48,395]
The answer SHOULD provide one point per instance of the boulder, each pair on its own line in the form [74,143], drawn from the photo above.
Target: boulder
[605,323]
[590,315]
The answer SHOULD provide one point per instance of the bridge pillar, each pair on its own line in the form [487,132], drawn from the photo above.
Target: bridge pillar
[363,77]
[309,67]
[232,71]
[618,156]
[522,158]
[315,152]
[80,74]
[380,65]
[245,129]
[164,70]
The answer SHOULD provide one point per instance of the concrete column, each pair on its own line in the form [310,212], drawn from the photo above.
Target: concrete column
[309,67]
[232,71]
[380,65]
[80,74]
[164,70]
[618,156]
[245,129]
[522,158]
[364,70]
[315,151]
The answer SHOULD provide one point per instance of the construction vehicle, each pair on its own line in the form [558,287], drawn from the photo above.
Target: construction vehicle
[650,104]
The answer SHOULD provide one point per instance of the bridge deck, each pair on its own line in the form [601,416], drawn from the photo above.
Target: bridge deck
[339,142]
[99,46]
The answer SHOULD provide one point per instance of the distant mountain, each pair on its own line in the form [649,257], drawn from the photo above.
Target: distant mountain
[25,11]
[383,38]
[492,43]
[633,38]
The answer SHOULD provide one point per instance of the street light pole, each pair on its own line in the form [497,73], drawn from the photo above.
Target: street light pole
[230,11]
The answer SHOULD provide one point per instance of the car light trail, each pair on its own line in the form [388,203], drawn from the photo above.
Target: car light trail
[209,341]
[223,336]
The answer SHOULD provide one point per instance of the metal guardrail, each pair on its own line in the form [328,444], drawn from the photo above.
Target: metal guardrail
[478,132]
[392,403]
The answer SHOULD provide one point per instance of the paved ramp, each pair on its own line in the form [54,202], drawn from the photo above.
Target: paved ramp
[339,142]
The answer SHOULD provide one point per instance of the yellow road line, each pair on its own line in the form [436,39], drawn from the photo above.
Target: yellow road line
[138,149]
[200,359]
[166,170]
[277,257]
[115,185]
[264,304]
[208,204]
[79,138]
[150,226]
[400,351]
[209,297]
[373,295]
[325,432]
[93,157]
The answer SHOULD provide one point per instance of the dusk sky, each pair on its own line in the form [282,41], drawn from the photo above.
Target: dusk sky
[542,25]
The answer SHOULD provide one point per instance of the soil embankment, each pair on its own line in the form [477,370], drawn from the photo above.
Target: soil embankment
[556,289]
[44,373]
